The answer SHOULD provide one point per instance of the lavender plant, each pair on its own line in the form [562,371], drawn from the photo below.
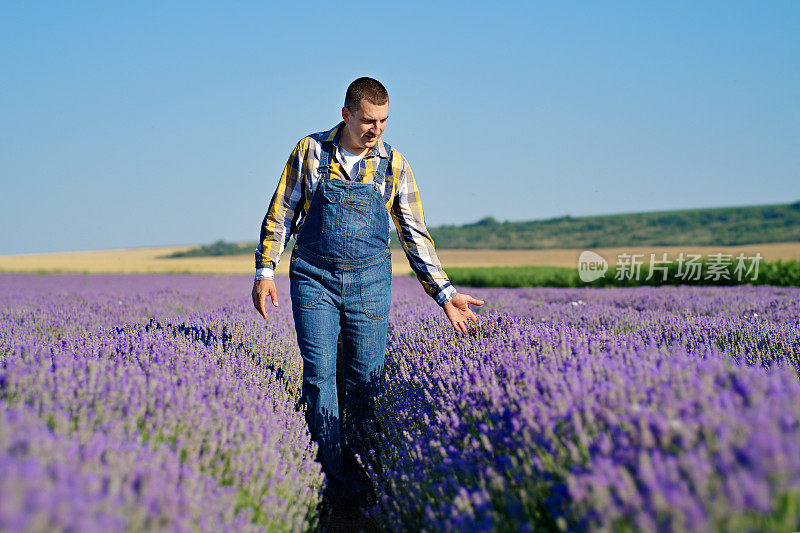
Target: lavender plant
[640,410]
[102,484]
[165,403]
[222,411]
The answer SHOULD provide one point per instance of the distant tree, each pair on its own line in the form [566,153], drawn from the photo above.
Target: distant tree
[486,221]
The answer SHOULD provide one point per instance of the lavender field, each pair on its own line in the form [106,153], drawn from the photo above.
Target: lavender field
[165,403]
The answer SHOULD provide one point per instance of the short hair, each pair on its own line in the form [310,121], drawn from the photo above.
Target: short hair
[365,88]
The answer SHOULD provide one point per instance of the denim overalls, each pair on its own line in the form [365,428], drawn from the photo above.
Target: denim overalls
[341,276]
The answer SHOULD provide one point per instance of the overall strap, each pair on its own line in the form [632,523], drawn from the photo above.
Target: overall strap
[383,166]
[325,157]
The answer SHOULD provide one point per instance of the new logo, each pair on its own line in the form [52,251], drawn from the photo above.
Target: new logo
[591,266]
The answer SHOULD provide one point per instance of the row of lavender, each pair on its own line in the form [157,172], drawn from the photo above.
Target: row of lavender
[163,402]
[668,409]
[134,403]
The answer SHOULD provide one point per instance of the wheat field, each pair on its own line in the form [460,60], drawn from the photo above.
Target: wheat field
[153,260]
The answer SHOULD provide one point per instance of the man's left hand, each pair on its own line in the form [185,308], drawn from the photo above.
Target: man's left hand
[458,311]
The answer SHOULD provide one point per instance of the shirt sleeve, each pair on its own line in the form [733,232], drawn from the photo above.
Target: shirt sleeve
[414,236]
[282,212]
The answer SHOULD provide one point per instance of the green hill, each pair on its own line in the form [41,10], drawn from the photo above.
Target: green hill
[725,226]
[711,227]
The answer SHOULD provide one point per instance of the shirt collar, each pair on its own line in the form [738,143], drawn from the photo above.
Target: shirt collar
[335,132]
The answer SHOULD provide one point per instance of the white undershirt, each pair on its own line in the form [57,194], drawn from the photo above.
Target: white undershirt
[350,162]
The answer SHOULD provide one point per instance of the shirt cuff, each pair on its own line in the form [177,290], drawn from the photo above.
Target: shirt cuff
[264,273]
[445,294]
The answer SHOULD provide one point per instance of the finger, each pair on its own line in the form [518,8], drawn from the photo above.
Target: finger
[475,301]
[461,327]
[260,306]
[256,302]
[273,293]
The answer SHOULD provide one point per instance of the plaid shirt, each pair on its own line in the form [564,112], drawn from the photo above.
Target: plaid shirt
[292,199]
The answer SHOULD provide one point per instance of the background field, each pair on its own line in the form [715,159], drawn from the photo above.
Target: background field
[151,260]
[777,273]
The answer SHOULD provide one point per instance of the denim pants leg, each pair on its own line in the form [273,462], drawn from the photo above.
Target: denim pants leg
[316,299]
[365,322]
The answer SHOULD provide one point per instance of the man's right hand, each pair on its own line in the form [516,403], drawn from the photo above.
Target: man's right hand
[261,289]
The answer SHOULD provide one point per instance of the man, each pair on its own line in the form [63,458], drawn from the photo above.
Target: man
[335,195]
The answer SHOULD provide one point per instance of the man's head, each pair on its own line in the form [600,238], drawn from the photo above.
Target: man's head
[365,111]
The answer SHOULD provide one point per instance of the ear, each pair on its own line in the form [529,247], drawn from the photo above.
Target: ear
[346,115]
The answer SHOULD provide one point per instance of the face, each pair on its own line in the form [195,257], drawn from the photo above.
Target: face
[364,127]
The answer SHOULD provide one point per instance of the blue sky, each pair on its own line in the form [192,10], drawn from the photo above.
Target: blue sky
[157,123]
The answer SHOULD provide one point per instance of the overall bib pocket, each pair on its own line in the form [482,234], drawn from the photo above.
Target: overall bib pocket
[330,211]
[356,216]
[346,213]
